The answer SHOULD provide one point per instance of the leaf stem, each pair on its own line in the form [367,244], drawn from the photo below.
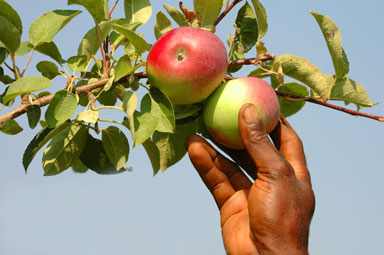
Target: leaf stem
[28,61]
[16,70]
[112,121]
[10,68]
[107,107]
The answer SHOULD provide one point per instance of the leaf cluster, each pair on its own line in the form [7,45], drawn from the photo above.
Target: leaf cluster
[106,72]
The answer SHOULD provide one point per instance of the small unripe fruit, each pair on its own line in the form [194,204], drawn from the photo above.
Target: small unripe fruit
[187,64]
[222,108]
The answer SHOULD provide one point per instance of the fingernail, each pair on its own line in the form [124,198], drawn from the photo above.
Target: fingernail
[251,115]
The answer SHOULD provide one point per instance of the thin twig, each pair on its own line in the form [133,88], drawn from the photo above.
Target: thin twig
[332,106]
[101,48]
[9,67]
[113,8]
[16,70]
[252,61]
[225,12]
[27,64]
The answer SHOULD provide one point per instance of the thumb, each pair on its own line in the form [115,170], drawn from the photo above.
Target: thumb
[268,160]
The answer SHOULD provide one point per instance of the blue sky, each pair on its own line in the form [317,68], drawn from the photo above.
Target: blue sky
[173,213]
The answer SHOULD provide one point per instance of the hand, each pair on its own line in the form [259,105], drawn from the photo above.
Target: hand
[271,215]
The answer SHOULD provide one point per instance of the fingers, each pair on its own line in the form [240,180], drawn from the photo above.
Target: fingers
[270,163]
[221,176]
[291,148]
[242,158]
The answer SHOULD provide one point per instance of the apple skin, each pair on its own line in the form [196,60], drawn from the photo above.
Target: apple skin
[222,108]
[187,64]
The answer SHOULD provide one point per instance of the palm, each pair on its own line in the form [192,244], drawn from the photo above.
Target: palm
[235,225]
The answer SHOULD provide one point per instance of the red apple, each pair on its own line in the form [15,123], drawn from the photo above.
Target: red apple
[187,64]
[222,108]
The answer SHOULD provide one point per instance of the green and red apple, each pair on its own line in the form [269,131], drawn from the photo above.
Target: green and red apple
[222,108]
[187,64]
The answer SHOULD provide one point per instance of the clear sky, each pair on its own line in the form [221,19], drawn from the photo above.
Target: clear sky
[173,213]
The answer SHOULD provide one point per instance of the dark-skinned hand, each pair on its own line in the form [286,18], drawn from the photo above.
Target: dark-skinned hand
[272,214]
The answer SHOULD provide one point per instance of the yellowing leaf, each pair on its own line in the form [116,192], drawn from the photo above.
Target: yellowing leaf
[333,38]
[162,25]
[304,71]
[207,10]
[137,10]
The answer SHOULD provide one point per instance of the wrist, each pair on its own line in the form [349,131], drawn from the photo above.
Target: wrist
[285,251]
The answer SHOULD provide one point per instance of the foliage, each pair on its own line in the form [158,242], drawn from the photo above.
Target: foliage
[70,126]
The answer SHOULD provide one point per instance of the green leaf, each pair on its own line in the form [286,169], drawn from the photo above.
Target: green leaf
[10,36]
[153,154]
[159,105]
[46,26]
[117,39]
[109,84]
[129,106]
[107,98]
[290,107]
[171,146]
[78,63]
[95,158]
[140,44]
[247,24]
[10,127]
[235,54]
[145,125]
[123,67]
[260,48]
[39,141]
[6,79]
[48,69]
[63,149]
[333,38]
[3,56]
[261,16]
[89,116]
[25,85]
[11,15]
[90,43]
[302,70]
[33,114]
[349,91]
[137,10]
[162,25]
[97,8]
[24,49]
[61,108]
[116,146]
[207,10]
[187,110]
[50,49]
[176,15]
[78,166]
